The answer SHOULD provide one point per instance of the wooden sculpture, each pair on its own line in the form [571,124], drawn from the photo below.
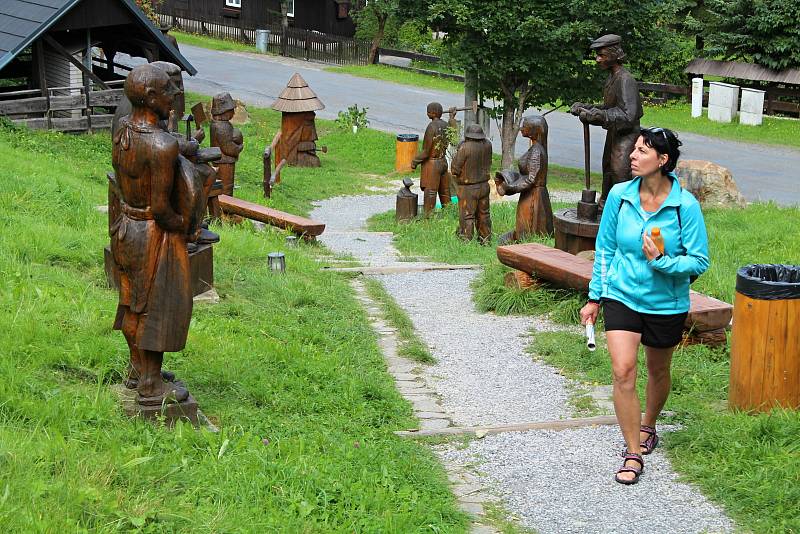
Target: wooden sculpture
[434,178]
[534,212]
[619,114]
[152,216]
[227,138]
[470,169]
[297,103]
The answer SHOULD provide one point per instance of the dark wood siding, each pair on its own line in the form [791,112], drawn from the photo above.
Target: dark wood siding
[253,13]
[320,15]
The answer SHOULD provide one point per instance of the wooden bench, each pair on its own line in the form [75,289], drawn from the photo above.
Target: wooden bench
[303,227]
[708,317]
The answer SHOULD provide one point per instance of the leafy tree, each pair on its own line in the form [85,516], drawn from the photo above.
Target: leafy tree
[766,32]
[530,53]
[379,12]
[149,8]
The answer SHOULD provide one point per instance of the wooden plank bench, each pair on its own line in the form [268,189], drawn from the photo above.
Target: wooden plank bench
[303,227]
[708,317]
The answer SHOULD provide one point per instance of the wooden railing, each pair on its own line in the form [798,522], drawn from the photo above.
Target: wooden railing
[38,112]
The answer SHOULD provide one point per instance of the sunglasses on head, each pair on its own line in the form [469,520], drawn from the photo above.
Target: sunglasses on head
[657,131]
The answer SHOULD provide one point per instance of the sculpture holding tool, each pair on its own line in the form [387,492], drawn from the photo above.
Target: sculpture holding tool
[619,114]
[470,168]
[434,176]
[152,207]
[534,212]
[228,138]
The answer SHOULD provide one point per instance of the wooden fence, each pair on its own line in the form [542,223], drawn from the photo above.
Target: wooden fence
[301,44]
[40,112]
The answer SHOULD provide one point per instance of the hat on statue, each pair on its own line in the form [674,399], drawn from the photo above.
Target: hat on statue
[606,40]
[474,131]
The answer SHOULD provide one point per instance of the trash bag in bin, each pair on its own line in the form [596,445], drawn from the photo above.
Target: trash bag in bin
[769,282]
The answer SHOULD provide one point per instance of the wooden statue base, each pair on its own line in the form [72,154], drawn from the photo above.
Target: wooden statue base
[201,265]
[170,413]
[574,235]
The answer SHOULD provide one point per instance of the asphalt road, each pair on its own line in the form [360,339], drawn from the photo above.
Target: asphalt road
[762,172]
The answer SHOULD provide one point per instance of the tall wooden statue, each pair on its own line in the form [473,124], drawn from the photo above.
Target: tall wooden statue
[297,103]
[152,212]
[434,179]
[227,138]
[534,212]
[619,114]
[470,169]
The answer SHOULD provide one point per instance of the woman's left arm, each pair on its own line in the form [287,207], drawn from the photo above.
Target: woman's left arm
[695,241]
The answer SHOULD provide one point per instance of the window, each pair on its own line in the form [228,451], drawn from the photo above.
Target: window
[289,8]
[233,3]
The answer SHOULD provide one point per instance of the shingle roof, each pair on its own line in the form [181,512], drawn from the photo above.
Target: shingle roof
[742,71]
[24,21]
[297,97]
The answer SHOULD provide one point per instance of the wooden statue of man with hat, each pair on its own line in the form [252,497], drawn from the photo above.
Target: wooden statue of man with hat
[619,114]
[227,138]
[470,169]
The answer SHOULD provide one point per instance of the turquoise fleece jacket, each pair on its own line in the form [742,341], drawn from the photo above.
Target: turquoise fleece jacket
[621,270]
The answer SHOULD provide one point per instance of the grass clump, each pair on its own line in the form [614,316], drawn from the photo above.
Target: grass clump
[411,346]
[212,43]
[287,366]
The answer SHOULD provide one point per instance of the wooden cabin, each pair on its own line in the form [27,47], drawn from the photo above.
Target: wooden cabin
[324,16]
[57,67]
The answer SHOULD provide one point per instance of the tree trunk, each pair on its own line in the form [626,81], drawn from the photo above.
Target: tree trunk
[508,132]
[376,40]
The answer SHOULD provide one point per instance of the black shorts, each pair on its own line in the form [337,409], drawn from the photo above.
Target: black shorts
[658,331]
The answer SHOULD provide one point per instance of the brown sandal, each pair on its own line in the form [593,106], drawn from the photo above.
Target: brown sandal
[652,439]
[637,471]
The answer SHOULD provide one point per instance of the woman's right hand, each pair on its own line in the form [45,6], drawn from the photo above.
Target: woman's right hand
[589,313]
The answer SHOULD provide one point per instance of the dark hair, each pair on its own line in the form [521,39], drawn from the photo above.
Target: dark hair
[663,141]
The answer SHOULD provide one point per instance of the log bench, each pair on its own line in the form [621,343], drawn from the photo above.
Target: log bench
[306,228]
[708,317]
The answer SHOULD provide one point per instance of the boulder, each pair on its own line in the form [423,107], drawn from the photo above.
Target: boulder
[711,184]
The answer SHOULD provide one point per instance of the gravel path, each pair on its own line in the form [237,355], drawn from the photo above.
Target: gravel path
[552,481]
[563,482]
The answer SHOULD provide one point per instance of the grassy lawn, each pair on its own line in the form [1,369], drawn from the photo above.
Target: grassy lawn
[401,76]
[287,367]
[212,43]
[748,464]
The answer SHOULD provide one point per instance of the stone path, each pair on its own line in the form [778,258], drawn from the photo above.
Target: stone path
[546,480]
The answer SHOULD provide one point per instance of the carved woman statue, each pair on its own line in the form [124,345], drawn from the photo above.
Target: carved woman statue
[534,212]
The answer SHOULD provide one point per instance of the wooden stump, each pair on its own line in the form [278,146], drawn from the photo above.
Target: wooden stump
[520,280]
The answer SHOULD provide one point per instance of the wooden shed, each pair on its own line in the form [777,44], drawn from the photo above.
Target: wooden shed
[57,66]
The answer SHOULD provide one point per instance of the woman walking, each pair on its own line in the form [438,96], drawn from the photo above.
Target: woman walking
[642,283]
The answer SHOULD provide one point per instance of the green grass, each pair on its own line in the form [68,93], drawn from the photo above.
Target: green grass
[212,43]
[678,117]
[410,346]
[288,359]
[401,76]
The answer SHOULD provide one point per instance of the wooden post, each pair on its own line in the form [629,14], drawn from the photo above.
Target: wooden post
[308,45]
[39,51]
[87,85]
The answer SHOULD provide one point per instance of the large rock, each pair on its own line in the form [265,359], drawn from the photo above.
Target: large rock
[712,184]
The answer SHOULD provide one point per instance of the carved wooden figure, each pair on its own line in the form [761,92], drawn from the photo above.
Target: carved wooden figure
[297,103]
[434,178]
[619,114]
[534,212]
[148,236]
[470,169]
[227,138]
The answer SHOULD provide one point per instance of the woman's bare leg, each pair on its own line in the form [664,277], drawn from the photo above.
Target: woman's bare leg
[624,347]
[659,382]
